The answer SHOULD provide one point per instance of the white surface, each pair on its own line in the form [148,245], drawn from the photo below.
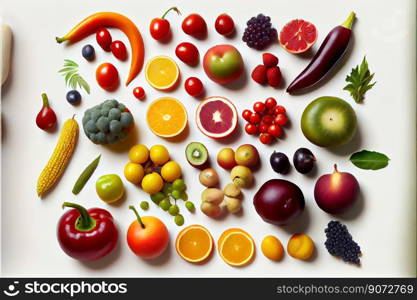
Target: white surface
[384,226]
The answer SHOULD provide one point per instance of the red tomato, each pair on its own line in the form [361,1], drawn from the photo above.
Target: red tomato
[194,25]
[119,50]
[107,76]
[279,110]
[265,138]
[139,93]
[275,130]
[159,27]
[188,53]
[259,107]
[270,102]
[194,86]
[251,128]
[281,119]
[263,128]
[267,119]
[255,118]
[224,24]
[246,114]
[103,38]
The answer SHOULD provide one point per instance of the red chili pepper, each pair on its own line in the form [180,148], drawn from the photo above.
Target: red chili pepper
[86,234]
[46,118]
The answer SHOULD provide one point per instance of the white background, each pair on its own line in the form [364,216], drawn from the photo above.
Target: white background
[383,223]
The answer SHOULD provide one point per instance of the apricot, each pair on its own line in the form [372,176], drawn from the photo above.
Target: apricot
[300,246]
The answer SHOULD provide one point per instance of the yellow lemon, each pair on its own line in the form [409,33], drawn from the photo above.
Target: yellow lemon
[159,154]
[152,183]
[171,171]
[139,154]
[134,172]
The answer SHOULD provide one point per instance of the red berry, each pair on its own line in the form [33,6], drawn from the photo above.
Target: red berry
[259,107]
[193,86]
[279,110]
[269,60]
[259,74]
[103,38]
[267,119]
[270,102]
[281,119]
[119,50]
[265,138]
[224,24]
[251,128]
[263,127]
[274,76]
[275,130]
[255,118]
[246,114]
[139,93]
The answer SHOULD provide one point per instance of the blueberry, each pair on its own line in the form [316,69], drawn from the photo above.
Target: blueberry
[88,52]
[73,97]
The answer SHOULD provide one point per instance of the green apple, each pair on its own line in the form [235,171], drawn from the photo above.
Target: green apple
[328,122]
[110,188]
[223,63]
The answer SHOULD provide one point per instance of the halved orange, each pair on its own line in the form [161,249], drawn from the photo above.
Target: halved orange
[194,243]
[236,247]
[166,117]
[162,73]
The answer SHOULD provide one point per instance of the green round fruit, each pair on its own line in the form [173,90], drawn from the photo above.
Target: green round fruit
[109,188]
[328,122]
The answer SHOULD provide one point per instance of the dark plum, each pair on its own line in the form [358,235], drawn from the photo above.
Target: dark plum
[303,160]
[279,162]
[73,97]
[88,52]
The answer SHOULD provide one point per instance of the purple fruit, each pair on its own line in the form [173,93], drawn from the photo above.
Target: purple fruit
[279,201]
[337,192]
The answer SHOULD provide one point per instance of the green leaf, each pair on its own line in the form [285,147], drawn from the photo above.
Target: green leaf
[68,63]
[359,81]
[83,84]
[72,77]
[369,160]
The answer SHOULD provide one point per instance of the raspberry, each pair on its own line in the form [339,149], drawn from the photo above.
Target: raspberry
[274,76]
[269,60]
[259,32]
[259,74]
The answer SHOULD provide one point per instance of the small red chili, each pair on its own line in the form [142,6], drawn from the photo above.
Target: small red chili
[46,118]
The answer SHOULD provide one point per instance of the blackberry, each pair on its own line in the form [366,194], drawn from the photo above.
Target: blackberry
[339,243]
[259,32]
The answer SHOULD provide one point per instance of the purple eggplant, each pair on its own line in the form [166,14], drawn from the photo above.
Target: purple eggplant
[330,52]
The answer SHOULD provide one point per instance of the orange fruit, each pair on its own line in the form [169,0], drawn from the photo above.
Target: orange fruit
[166,117]
[194,243]
[236,247]
[162,73]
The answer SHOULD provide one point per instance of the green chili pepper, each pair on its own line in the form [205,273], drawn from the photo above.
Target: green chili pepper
[85,175]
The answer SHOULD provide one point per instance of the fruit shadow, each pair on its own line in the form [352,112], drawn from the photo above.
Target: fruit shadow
[354,145]
[329,76]
[181,137]
[239,83]
[162,259]
[299,225]
[106,261]
[125,145]
[232,138]
[356,210]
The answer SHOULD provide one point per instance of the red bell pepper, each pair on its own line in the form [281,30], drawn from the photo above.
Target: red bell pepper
[86,234]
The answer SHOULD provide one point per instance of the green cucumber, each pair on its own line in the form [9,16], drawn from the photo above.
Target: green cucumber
[85,175]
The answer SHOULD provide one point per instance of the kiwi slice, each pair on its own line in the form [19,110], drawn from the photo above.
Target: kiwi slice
[196,154]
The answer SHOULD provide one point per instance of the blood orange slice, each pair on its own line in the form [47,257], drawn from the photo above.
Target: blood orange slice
[298,36]
[216,117]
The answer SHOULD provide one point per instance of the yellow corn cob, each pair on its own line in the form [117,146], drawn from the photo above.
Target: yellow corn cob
[60,157]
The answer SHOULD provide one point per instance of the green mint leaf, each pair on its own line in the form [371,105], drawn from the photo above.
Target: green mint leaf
[359,81]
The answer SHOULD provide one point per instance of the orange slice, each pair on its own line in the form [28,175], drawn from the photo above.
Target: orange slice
[162,73]
[166,117]
[236,247]
[194,243]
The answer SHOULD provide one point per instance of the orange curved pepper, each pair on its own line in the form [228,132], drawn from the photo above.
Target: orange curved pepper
[110,19]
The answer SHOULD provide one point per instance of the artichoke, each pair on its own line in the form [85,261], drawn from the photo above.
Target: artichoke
[108,122]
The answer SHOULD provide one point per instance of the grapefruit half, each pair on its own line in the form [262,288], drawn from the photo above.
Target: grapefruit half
[298,36]
[216,117]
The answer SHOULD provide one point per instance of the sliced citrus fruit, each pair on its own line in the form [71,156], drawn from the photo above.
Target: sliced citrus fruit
[194,243]
[162,73]
[216,117]
[236,247]
[298,36]
[166,117]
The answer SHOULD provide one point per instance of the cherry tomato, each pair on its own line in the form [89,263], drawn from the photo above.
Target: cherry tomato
[107,76]
[188,53]
[246,114]
[139,93]
[224,24]
[275,130]
[267,119]
[103,38]
[263,128]
[265,138]
[159,27]
[251,128]
[279,110]
[259,107]
[119,50]
[194,25]
[255,118]
[270,102]
[194,86]
[281,119]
